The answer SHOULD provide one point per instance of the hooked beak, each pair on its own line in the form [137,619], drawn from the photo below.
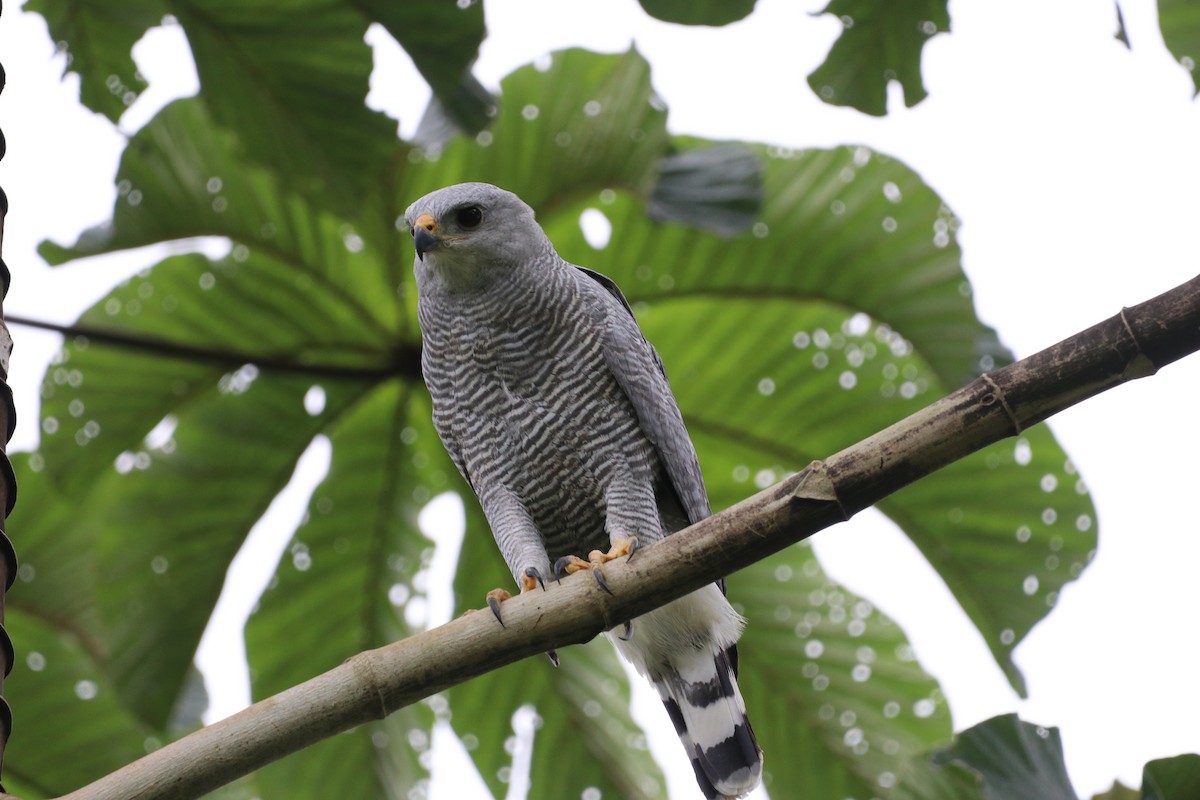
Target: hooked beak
[425,235]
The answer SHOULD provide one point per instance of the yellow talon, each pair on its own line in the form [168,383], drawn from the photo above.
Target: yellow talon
[531,580]
[596,561]
[494,598]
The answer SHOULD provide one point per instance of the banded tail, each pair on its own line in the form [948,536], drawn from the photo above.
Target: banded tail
[706,707]
[687,650]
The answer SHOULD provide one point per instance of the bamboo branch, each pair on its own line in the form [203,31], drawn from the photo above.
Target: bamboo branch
[1133,344]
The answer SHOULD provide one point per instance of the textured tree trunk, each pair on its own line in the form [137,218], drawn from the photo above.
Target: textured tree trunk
[8,486]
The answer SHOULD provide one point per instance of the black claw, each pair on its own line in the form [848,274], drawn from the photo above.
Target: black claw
[600,579]
[628,634]
[560,567]
[494,605]
[633,547]
[533,572]
[553,657]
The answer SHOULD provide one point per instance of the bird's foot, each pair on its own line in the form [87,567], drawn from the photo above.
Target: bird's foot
[494,598]
[531,580]
[596,561]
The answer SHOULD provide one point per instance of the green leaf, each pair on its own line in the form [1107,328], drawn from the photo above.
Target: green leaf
[98,36]
[849,228]
[923,781]
[183,177]
[63,656]
[1118,792]
[698,12]
[343,586]
[881,43]
[587,121]
[72,726]
[170,513]
[832,687]
[718,189]
[1005,553]
[58,575]
[161,586]
[1175,778]
[245,309]
[607,747]
[443,41]
[1180,24]
[61,651]
[1009,759]
[290,80]
[583,720]
[293,85]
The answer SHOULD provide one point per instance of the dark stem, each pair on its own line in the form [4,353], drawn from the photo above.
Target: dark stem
[405,360]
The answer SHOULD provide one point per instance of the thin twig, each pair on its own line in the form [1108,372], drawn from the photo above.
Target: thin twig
[405,360]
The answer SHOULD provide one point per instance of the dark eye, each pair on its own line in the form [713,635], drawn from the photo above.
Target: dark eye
[469,217]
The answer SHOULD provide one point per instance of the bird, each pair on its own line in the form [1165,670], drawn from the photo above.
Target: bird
[558,413]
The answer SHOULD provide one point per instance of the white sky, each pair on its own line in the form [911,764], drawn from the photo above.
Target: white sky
[1073,164]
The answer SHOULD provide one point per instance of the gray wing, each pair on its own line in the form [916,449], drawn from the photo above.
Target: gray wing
[639,371]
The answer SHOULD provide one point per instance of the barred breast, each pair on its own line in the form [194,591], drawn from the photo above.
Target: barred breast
[520,387]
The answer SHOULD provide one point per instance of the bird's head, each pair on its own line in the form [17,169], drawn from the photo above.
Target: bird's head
[470,232]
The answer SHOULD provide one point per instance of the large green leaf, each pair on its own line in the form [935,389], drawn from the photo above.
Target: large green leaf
[230,455]
[343,587]
[58,573]
[1006,758]
[443,40]
[59,673]
[1180,23]
[98,37]
[586,122]
[169,513]
[292,86]
[831,685]
[1118,792]
[290,79]
[1175,778]
[951,781]
[846,228]
[64,655]
[583,720]
[168,191]
[840,310]
[881,43]
[72,727]
[698,12]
